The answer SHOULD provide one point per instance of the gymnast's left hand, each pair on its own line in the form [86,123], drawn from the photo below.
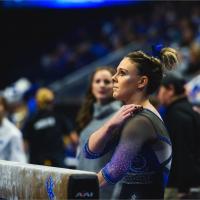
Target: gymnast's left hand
[122,114]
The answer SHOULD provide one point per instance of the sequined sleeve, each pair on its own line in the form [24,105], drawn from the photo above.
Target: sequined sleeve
[136,132]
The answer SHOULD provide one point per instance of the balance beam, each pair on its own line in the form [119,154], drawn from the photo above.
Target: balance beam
[27,181]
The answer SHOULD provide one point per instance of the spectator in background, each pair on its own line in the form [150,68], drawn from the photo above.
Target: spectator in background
[97,108]
[44,132]
[193,90]
[193,67]
[183,125]
[11,142]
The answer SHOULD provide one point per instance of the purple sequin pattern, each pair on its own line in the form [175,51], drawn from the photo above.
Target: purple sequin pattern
[120,163]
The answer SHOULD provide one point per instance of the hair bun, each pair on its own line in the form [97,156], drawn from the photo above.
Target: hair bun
[169,58]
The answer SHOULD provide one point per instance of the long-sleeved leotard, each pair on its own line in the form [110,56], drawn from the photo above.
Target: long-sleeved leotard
[142,158]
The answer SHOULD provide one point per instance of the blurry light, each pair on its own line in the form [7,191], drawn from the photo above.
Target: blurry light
[67,3]
[80,1]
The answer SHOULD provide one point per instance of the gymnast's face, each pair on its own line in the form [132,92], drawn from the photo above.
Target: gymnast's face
[126,81]
[102,85]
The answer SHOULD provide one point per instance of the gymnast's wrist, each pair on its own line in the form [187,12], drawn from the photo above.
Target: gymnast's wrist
[110,127]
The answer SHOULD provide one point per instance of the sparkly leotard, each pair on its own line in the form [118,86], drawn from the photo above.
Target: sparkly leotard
[142,158]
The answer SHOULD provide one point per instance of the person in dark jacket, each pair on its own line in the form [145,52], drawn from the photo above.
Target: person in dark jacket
[44,132]
[182,123]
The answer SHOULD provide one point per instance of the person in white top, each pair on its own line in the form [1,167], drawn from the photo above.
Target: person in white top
[11,141]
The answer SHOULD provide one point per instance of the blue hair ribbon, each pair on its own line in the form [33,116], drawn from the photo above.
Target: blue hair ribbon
[156,49]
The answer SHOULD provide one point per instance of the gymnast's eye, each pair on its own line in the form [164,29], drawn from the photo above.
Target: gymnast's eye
[122,73]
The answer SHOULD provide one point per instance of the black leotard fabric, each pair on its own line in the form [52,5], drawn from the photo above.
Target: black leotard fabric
[142,158]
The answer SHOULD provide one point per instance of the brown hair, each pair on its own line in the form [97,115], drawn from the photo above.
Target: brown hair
[153,67]
[84,115]
[4,103]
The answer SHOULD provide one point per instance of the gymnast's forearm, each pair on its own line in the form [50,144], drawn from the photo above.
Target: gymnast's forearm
[98,140]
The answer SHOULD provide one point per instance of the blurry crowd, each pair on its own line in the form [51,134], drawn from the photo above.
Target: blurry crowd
[165,22]
[33,131]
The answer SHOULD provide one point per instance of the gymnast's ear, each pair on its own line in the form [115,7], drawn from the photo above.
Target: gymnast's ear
[142,82]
